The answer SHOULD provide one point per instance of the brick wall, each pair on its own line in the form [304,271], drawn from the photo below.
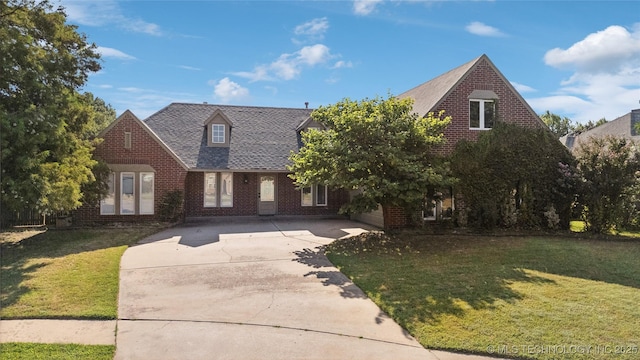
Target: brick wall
[290,201]
[169,174]
[395,217]
[245,198]
[510,107]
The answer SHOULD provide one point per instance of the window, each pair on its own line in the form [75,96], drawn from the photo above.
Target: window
[127,140]
[127,194]
[218,186]
[108,204]
[307,196]
[481,114]
[314,195]
[210,190]
[217,133]
[226,189]
[321,195]
[146,193]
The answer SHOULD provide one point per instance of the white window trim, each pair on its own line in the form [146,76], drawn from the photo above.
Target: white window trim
[302,196]
[314,196]
[153,190]
[224,129]
[480,113]
[204,193]
[222,174]
[112,193]
[133,176]
[217,189]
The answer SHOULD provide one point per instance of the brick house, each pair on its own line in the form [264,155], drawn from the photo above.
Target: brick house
[227,160]
[475,95]
[231,160]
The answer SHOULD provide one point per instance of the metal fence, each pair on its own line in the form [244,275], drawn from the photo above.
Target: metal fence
[26,218]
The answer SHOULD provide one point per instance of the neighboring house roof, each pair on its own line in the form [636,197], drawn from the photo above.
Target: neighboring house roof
[428,96]
[624,127]
[261,138]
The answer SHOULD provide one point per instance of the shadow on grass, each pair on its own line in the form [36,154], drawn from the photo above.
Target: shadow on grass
[17,258]
[426,277]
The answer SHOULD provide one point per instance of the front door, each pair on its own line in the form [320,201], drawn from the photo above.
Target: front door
[267,195]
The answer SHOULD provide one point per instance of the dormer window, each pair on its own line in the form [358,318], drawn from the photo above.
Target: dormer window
[218,128]
[217,133]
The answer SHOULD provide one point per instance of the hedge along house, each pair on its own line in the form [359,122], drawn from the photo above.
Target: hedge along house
[227,160]
[476,95]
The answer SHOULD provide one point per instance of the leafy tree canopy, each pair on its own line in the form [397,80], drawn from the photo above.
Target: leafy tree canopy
[560,126]
[579,128]
[609,190]
[46,125]
[375,145]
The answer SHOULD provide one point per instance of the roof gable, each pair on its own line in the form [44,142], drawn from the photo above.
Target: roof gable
[218,117]
[127,114]
[429,95]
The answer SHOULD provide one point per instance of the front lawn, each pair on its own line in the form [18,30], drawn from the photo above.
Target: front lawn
[519,297]
[63,273]
[29,351]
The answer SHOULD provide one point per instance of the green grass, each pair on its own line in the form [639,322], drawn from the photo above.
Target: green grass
[517,297]
[63,273]
[30,351]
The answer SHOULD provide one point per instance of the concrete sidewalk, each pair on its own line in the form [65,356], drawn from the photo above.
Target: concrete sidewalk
[98,332]
[88,332]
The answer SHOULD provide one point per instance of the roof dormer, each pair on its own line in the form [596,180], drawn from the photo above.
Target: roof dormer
[309,123]
[218,128]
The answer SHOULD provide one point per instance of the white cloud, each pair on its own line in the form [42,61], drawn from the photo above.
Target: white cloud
[186,67]
[606,81]
[481,29]
[522,88]
[342,64]
[289,66]
[606,50]
[312,55]
[106,12]
[107,52]
[315,27]
[365,7]
[227,91]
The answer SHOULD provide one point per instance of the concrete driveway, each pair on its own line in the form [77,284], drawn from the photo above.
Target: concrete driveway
[250,289]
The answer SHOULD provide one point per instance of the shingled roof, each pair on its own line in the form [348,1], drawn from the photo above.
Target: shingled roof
[428,95]
[624,127]
[261,138]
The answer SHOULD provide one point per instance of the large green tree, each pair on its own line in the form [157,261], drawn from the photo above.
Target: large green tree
[609,190]
[46,125]
[377,146]
[560,126]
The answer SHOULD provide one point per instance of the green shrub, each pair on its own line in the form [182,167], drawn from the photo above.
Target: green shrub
[512,176]
[172,206]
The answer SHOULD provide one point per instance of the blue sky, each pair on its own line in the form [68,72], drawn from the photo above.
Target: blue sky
[579,59]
